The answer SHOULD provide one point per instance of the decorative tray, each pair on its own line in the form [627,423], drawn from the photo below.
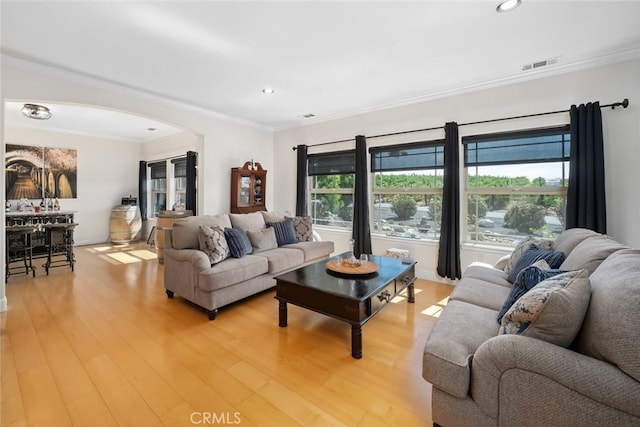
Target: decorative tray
[365,267]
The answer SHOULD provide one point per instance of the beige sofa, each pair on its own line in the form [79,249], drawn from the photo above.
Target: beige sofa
[481,377]
[189,273]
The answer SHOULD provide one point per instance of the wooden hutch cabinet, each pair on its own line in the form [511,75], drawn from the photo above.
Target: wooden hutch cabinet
[248,188]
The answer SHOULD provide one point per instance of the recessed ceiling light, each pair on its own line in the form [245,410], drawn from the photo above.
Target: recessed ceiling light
[507,5]
[267,90]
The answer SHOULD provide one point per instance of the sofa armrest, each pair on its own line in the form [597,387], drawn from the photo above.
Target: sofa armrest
[514,362]
[198,259]
[182,269]
[502,262]
[315,237]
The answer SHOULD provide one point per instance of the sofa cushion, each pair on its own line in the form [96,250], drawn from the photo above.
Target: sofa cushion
[480,292]
[281,259]
[238,241]
[487,273]
[248,222]
[303,226]
[590,253]
[232,271]
[522,246]
[273,216]
[213,243]
[526,280]
[569,239]
[285,233]
[552,311]
[455,337]
[313,250]
[533,254]
[184,234]
[611,330]
[263,240]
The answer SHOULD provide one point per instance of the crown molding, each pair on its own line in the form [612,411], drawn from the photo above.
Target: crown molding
[549,71]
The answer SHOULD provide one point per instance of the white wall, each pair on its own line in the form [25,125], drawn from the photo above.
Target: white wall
[607,84]
[107,171]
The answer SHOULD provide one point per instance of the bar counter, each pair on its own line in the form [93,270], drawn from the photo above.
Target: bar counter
[45,234]
[42,217]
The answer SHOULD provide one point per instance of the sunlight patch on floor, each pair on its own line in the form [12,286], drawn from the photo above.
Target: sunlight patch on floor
[436,309]
[100,249]
[124,258]
[144,254]
[122,254]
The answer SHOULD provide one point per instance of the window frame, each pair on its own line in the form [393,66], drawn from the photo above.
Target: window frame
[377,167]
[341,168]
[547,190]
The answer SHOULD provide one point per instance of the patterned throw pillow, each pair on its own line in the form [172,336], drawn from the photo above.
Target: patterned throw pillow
[304,227]
[552,311]
[285,233]
[213,243]
[263,240]
[239,244]
[526,280]
[533,254]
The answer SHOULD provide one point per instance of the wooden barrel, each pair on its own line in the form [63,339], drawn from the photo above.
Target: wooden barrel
[165,222]
[125,223]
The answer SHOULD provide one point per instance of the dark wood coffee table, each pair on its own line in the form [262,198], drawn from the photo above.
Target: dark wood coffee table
[352,299]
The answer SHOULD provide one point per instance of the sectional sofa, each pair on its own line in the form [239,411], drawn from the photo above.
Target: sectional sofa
[212,282]
[566,353]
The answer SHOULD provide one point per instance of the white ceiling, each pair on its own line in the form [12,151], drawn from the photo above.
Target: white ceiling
[328,58]
[84,120]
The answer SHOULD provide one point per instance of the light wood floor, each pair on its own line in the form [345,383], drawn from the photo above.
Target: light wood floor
[105,346]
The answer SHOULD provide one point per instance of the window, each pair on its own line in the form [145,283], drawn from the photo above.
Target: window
[167,191]
[331,178]
[516,184]
[179,182]
[407,189]
[158,181]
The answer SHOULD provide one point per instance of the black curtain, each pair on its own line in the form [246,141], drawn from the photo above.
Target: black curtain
[301,181]
[449,250]
[191,190]
[361,229]
[586,207]
[142,189]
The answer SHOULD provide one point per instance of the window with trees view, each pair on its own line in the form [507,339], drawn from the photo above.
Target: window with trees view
[407,189]
[332,180]
[516,184]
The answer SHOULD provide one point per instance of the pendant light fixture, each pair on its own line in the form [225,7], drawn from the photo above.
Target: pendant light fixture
[35,111]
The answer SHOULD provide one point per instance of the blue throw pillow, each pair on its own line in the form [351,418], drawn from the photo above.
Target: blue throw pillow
[533,254]
[285,231]
[528,278]
[238,242]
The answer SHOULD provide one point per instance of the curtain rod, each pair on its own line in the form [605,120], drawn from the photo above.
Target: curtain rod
[624,104]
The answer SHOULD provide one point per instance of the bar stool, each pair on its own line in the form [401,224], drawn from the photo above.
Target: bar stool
[59,243]
[18,248]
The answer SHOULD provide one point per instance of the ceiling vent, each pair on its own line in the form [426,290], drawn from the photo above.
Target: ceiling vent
[540,64]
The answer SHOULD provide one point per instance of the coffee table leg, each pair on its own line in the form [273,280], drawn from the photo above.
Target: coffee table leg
[282,310]
[356,341]
[412,293]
